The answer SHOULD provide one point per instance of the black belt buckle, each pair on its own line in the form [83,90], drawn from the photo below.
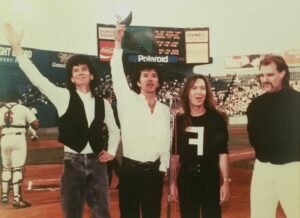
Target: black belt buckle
[196,170]
[146,166]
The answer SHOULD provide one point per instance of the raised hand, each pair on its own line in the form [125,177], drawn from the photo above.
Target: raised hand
[12,36]
[119,33]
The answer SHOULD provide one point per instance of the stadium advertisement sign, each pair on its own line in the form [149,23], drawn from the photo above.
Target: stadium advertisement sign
[243,61]
[292,57]
[157,44]
[59,59]
[8,58]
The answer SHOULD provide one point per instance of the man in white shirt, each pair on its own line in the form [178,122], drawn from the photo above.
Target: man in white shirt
[13,122]
[81,119]
[145,134]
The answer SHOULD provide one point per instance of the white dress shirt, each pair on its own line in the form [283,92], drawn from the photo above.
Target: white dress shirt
[60,98]
[145,135]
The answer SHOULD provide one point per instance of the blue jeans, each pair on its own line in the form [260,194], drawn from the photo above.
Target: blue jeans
[84,179]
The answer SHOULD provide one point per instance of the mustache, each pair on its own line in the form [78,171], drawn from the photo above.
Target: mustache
[267,83]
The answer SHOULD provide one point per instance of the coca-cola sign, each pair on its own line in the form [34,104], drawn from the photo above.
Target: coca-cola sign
[106,49]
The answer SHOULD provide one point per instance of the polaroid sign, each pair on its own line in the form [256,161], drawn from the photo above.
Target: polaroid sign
[152,59]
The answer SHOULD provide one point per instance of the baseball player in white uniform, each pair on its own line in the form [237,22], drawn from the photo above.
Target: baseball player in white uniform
[13,120]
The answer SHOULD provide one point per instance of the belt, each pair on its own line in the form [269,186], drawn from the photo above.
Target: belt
[194,170]
[68,155]
[144,166]
[17,133]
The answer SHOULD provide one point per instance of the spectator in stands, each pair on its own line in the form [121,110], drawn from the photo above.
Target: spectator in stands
[273,127]
[82,116]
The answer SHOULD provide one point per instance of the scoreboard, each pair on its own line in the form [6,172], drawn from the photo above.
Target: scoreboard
[157,44]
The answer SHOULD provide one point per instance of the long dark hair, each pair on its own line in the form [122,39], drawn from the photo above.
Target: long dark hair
[77,60]
[209,99]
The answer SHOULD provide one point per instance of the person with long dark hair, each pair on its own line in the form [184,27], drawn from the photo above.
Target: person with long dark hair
[200,140]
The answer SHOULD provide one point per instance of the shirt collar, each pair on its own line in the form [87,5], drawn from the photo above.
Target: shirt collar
[84,95]
[141,96]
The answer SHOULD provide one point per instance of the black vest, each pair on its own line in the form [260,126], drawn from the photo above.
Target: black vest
[73,126]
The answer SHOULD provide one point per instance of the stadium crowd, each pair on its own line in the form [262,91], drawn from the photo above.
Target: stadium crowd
[232,100]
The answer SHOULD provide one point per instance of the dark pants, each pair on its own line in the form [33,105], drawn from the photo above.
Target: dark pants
[198,195]
[113,166]
[84,179]
[140,189]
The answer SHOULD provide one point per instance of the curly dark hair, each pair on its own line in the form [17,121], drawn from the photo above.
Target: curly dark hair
[77,60]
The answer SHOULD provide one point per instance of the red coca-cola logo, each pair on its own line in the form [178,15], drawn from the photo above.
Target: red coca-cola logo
[106,50]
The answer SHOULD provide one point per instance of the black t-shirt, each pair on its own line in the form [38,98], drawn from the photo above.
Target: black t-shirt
[201,143]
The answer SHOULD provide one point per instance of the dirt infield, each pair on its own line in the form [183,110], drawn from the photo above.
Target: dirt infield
[41,183]
[41,188]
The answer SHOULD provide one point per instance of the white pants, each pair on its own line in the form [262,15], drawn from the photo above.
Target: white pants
[272,184]
[13,150]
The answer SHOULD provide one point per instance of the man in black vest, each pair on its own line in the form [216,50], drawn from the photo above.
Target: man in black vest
[82,116]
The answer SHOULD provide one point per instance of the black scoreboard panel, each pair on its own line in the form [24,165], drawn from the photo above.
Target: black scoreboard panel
[154,43]
[165,44]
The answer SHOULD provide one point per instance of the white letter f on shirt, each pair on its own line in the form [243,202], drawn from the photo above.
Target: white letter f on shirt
[197,141]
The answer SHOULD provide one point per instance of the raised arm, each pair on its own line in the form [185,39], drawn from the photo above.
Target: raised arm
[120,83]
[119,34]
[13,38]
[58,96]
